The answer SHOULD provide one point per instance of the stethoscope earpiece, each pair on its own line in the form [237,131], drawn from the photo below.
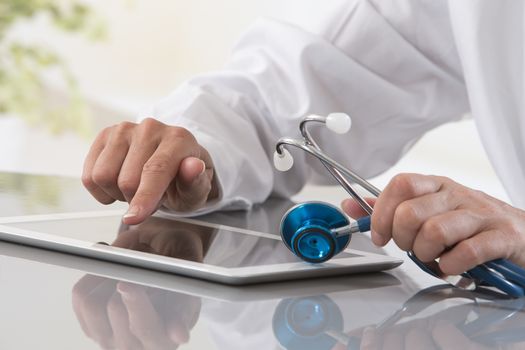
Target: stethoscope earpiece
[340,123]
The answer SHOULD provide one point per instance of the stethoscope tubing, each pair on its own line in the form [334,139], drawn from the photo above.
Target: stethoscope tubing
[499,273]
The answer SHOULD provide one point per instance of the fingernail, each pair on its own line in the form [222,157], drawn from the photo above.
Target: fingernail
[121,289]
[124,292]
[203,167]
[132,212]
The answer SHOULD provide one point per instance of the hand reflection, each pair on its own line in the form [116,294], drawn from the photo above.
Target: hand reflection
[465,326]
[166,237]
[428,333]
[122,315]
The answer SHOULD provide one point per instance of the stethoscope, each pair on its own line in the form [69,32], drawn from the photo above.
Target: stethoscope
[316,231]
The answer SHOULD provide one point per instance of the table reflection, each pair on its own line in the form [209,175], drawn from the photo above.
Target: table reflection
[439,317]
[124,315]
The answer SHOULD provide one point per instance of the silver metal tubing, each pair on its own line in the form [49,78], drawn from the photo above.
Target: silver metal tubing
[332,163]
[333,171]
[304,123]
[346,230]
[349,189]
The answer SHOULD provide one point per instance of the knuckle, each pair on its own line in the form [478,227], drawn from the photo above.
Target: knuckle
[470,252]
[150,124]
[445,181]
[406,212]
[435,231]
[104,133]
[473,195]
[103,178]
[466,193]
[457,193]
[87,181]
[404,183]
[127,185]
[180,133]
[124,126]
[158,165]
[513,231]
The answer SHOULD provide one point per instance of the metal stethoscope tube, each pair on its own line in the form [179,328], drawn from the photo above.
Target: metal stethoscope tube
[316,231]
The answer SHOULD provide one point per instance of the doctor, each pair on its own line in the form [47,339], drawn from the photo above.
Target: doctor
[399,68]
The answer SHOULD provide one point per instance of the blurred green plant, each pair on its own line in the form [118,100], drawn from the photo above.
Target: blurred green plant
[33,191]
[22,65]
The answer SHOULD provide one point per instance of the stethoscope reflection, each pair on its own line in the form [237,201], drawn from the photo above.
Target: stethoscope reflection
[308,323]
[481,320]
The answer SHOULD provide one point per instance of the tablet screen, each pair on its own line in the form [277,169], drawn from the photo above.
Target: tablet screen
[182,239]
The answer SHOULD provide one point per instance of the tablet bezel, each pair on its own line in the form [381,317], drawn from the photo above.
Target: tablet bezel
[364,262]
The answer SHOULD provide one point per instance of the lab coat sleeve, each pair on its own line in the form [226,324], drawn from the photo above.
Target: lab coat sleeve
[387,66]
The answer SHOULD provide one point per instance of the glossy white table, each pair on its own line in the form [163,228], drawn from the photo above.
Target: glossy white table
[57,301]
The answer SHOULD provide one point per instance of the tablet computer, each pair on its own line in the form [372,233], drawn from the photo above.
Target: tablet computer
[183,246]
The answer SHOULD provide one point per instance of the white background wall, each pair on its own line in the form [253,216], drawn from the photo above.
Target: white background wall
[152,46]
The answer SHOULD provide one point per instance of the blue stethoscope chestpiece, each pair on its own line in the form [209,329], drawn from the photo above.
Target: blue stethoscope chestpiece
[306,229]
[314,244]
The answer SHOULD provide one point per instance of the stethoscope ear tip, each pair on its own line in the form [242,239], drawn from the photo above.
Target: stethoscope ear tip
[284,161]
[339,123]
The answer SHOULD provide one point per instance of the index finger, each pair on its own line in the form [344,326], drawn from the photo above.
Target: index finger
[157,174]
[401,188]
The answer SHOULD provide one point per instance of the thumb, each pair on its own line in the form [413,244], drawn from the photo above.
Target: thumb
[192,186]
[353,209]
[190,169]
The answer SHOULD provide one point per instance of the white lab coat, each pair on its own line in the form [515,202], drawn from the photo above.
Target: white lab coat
[398,68]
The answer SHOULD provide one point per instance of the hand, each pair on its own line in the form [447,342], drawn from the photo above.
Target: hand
[436,217]
[148,165]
